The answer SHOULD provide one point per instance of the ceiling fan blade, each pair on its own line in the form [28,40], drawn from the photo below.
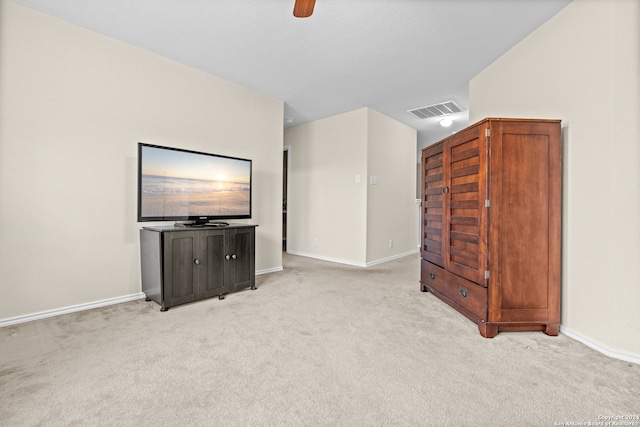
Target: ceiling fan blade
[303,8]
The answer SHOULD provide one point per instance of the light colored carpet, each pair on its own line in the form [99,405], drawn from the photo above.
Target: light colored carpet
[318,344]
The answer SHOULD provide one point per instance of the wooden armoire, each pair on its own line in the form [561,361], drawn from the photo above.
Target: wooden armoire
[491,217]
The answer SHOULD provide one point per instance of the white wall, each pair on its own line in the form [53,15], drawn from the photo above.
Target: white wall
[352,222]
[325,203]
[73,106]
[392,213]
[583,67]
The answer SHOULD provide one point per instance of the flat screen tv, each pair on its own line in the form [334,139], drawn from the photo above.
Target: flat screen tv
[183,185]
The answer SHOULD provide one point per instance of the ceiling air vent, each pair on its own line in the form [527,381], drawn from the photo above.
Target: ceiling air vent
[436,110]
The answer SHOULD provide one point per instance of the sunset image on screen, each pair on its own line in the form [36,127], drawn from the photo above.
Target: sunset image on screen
[182,184]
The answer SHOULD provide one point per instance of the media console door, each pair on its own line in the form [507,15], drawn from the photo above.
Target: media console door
[241,271]
[181,269]
[184,265]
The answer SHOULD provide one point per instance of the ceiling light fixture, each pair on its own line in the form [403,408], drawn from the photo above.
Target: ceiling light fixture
[446,122]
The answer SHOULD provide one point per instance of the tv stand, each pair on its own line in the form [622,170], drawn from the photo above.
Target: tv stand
[181,265]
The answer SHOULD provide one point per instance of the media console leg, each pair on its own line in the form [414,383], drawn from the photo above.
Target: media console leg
[147,299]
[164,309]
[253,288]
[221,296]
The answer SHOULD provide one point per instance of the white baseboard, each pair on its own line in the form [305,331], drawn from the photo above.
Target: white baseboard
[616,354]
[349,262]
[88,306]
[391,258]
[269,270]
[70,309]
[325,258]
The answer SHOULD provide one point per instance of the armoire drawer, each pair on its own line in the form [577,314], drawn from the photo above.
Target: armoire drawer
[468,295]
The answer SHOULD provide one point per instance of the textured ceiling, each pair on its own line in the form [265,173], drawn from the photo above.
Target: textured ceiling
[390,55]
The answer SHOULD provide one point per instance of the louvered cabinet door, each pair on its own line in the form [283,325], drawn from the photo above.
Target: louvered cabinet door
[432,246]
[465,216]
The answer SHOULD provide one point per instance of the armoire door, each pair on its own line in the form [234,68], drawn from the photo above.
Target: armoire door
[432,246]
[465,201]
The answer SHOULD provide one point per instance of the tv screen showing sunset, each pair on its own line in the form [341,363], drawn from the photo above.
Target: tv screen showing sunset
[182,184]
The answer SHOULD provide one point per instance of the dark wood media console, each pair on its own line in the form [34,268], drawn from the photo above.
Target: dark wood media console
[185,264]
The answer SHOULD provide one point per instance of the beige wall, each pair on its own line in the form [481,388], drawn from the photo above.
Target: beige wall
[73,106]
[583,67]
[325,204]
[392,213]
[333,217]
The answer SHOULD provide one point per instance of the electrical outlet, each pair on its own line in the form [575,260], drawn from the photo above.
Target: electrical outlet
[315,242]
[390,244]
